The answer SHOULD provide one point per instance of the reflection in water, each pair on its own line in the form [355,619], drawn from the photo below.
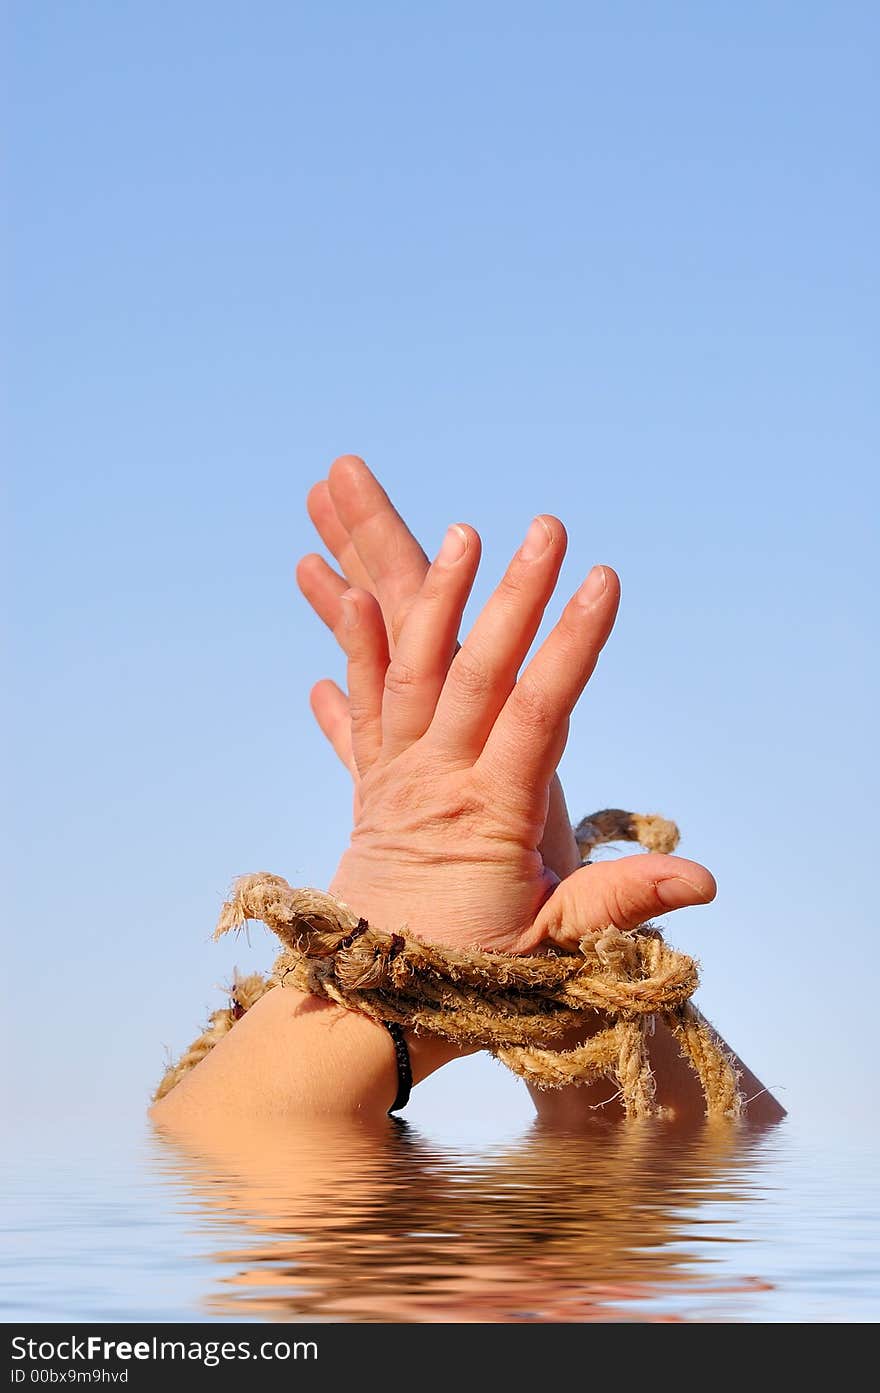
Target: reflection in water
[355,1225]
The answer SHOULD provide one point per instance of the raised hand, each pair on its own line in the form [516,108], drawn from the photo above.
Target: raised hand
[376,551]
[455,755]
[460,828]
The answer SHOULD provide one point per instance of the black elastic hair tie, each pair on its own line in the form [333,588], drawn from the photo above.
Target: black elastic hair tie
[404,1067]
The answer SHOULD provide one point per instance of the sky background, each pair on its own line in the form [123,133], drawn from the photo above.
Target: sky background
[612,261]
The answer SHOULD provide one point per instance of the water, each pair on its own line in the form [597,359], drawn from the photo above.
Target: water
[638,1223]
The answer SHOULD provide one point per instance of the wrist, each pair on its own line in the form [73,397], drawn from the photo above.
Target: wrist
[429,1052]
[486,904]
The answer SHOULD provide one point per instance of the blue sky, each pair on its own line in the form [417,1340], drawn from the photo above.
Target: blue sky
[613,261]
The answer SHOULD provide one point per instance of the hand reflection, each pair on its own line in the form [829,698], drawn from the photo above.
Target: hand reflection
[375,1223]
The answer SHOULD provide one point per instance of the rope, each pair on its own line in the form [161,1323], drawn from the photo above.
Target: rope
[615,985]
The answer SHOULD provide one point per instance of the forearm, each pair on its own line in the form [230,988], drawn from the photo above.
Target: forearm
[678,1090]
[293,1056]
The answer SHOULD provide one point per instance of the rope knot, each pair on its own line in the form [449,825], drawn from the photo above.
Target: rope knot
[611,990]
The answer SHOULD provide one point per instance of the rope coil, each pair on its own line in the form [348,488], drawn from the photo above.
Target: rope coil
[615,985]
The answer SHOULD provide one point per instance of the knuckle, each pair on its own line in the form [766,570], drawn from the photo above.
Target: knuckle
[516,581]
[471,676]
[400,678]
[572,635]
[534,707]
[435,587]
[360,715]
[623,907]
[616,907]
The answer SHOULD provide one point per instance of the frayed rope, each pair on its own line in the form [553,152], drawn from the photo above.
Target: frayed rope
[616,985]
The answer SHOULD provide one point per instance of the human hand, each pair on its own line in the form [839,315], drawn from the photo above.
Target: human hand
[376,552]
[455,757]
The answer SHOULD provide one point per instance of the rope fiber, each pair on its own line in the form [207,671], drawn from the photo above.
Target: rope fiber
[613,988]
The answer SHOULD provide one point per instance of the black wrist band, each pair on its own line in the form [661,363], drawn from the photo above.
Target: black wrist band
[404,1068]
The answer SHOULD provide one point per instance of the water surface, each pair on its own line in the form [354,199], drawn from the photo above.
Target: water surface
[620,1223]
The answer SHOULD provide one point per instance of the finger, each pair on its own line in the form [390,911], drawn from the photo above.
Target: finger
[483,673]
[558,848]
[330,708]
[528,738]
[392,558]
[427,643]
[322,587]
[336,538]
[623,893]
[362,635]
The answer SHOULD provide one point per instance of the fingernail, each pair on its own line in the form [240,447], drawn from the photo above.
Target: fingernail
[453,546]
[675,893]
[349,611]
[537,540]
[593,587]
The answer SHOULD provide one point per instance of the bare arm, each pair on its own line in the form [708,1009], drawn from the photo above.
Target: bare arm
[457,806]
[294,1057]
[374,549]
[678,1090]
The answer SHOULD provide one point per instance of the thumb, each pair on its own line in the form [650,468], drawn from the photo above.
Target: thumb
[624,893]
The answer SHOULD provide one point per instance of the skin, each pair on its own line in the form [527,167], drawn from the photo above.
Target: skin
[460,826]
